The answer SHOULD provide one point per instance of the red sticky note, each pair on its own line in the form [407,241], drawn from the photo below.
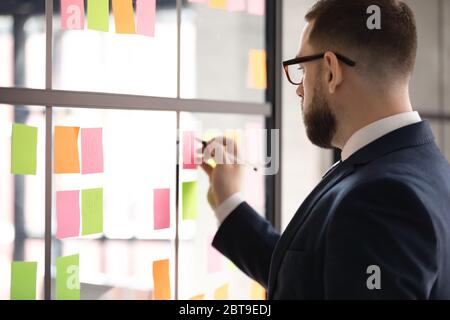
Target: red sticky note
[91,150]
[67,214]
[72,14]
[256,7]
[161,208]
[189,150]
[145,16]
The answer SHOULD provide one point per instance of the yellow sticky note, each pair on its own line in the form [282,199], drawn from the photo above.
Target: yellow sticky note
[198,297]
[221,293]
[124,16]
[161,280]
[257,292]
[217,4]
[66,150]
[258,69]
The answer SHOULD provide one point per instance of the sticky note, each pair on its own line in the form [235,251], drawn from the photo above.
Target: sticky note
[72,14]
[66,150]
[23,149]
[221,293]
[257,292]
[217,4]
[92,211]
[189,200]
[231,266]
[67,214]
[91,150]
[236,5]
[67,278]
[161,280]
[215,260]
[197,1]
[161,208]
[145,16]
[256,7]
[23,280]
[198,297]
[257,68]
[124,16]
[98,15]
[189,146]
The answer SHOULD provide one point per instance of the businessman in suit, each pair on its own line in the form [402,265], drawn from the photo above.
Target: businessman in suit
[377,226]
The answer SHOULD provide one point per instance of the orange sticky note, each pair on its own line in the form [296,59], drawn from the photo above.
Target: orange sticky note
[217,4]
[257,292]
[124,16]
[221,293]
[257,68]
[66,150]
[198,297]
[161,280]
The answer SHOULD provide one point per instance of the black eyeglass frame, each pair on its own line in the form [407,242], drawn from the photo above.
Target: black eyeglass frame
[304,59]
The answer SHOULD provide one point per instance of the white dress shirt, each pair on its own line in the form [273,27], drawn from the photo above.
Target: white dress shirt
[358,140]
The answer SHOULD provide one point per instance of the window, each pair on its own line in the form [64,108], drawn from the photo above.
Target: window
[141,91]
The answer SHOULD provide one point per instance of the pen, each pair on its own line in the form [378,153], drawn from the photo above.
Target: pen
[205,144]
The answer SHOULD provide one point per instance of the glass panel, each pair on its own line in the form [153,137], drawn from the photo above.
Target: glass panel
[202,269]
[139,156]
[22,39]
[215,53]
[22,207]
[89,60]
[446,141]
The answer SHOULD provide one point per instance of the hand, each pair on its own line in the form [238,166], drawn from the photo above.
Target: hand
[225,177]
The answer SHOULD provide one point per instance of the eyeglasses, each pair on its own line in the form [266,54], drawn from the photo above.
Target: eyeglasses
[295,73]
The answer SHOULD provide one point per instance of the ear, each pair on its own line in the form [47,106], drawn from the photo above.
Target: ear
[333,72]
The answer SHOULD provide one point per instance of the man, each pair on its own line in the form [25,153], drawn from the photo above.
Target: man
[377,226]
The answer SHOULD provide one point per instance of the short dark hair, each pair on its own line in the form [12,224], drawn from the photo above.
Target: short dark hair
[341,25]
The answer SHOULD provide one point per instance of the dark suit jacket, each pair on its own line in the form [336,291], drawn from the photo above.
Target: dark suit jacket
[388,205]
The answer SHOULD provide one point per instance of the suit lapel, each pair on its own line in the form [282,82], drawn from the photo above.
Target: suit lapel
[333,177]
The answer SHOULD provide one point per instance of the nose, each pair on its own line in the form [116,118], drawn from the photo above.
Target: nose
[300,91]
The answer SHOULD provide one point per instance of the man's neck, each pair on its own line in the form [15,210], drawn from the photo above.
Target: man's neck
[367,113]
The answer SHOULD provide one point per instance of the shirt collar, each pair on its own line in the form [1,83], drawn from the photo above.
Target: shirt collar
[376,130]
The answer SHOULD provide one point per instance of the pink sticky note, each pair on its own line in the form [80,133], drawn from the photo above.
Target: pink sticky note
[189,150]
[72,14]
[145,15]
[215,260]
[256,7]
[91,150]
[236,5]
[67,214]
[161,208]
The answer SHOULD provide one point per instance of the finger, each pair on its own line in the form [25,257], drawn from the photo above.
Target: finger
[207,168]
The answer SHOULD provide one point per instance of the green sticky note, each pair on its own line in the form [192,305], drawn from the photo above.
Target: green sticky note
[67,278]
[23,149]
[23,280]
[190,204]
[92,211]
[98,15]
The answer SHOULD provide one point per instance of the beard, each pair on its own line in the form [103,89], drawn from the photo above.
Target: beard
[320,122]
